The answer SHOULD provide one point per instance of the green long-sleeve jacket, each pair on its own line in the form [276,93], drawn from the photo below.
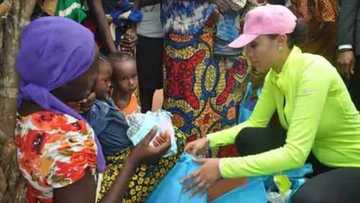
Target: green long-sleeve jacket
[318,115]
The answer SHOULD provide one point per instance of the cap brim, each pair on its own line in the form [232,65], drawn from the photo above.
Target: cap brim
[242,40]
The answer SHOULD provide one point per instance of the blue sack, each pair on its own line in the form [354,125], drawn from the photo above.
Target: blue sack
[254,191]
[171,190]
[170,187]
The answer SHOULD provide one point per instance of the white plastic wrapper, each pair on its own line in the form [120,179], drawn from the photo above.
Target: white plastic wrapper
[141,124]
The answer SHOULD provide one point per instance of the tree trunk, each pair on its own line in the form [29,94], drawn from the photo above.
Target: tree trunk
[14,14]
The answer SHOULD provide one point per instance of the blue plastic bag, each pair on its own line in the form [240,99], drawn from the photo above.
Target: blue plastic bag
[170,187]
[255,191]
[141,124]
[171,190]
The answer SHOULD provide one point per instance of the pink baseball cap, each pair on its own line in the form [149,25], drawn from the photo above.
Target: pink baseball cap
[263,20]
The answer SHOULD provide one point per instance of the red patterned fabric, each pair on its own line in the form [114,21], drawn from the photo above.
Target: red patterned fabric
[54,150]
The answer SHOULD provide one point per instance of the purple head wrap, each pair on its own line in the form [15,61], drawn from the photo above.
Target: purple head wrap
[54,51]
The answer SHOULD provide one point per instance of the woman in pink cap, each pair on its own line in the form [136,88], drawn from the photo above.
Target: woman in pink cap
[319,122]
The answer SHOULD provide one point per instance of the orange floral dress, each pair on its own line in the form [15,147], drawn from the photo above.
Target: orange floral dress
[54,150]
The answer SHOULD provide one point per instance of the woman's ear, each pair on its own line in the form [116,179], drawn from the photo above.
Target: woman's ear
[282,40]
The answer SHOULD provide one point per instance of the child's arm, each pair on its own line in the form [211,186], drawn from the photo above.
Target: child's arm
[97,9]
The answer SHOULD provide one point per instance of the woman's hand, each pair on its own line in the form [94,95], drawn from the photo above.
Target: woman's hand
[84,105]
[145,153]
[197,147]
[204,177]
[346,61]
[128,41]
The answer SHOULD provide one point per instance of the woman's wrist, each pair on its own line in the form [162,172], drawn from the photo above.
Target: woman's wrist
[133,160]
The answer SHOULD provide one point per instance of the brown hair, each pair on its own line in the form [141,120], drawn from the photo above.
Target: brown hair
[299,35]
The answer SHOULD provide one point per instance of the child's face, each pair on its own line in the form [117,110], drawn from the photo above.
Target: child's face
[103,81]
[126,76]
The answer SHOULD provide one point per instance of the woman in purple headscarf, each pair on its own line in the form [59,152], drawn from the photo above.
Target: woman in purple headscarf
[58,152]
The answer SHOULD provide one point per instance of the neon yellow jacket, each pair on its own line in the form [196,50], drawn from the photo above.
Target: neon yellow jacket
[319,116]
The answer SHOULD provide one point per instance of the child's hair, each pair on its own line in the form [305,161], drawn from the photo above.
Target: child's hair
[100,58]
[120,57]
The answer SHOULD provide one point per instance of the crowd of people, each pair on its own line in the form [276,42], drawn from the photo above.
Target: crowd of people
[257,86]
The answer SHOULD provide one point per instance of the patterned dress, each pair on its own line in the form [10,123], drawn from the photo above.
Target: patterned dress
[201,89]
[53,151]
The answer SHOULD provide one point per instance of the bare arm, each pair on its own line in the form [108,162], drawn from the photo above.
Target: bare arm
[120,186]
[84,190]
[97,9]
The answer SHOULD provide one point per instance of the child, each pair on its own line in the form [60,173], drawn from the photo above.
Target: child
[125,83]
[103,85]
[109,124]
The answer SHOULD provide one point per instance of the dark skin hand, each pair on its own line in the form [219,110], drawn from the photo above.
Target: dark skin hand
[346,63]
[97,10]
[83,105]
[128,41]
[84,189]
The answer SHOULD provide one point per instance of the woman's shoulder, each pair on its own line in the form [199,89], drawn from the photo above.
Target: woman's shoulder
[315,70]
[52,121]
[60,143]
[313,66]
[314,60]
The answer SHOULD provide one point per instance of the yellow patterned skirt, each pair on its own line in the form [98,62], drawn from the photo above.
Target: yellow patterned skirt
[146,177]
